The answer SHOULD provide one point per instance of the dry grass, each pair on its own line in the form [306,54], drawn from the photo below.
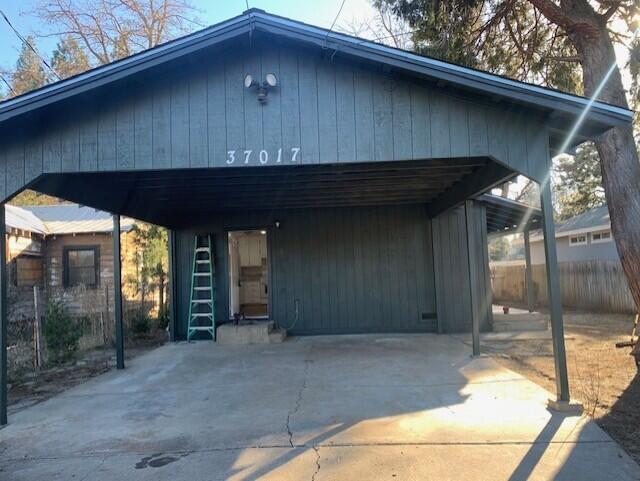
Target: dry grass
[602,377]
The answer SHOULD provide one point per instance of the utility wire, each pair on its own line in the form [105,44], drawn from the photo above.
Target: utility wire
[336,19]
[28,44]
[393,35]
[7,84]
[247,3]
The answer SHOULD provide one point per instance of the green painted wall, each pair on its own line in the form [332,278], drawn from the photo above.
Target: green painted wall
[366,269]
[451,270]
[197,112]
[347,270]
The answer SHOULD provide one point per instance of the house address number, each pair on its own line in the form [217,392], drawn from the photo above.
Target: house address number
[263,157]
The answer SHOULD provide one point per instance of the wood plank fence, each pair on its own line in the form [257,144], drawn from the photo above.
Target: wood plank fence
[588,285]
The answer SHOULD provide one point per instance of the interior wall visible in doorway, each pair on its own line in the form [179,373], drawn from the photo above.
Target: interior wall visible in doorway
[248,273]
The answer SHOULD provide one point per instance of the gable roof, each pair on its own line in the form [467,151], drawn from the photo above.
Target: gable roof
[595,218]
[62,219]
[563,108]
[22,219]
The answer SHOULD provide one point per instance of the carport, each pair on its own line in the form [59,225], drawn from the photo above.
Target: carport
[360,163]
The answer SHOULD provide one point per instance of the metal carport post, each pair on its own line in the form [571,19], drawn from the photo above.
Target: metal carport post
[117,293]
[555,297]
[3,318]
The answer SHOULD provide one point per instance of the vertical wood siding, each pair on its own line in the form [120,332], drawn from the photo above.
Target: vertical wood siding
[451,268]
[332,110]
[351,270]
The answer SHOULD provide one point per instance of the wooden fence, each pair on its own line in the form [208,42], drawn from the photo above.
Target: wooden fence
[588,285]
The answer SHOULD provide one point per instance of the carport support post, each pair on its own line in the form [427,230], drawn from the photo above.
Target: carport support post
[173,272]
[117,293]
[555,297]
[473,278]
[528,275]
[3,318]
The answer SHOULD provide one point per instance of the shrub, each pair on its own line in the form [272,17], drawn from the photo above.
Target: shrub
[140,323]
[61,333]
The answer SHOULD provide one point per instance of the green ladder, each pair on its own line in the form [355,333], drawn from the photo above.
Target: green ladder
[202,304]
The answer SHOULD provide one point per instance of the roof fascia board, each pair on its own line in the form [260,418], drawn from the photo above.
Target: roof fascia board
[509,203]
[493,84]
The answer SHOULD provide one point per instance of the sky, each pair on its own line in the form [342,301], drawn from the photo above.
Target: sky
[316,12]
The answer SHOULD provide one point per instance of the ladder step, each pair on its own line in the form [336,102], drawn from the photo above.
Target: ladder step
[203,249]
[201,328]
[200,274]
[202,288]
[202,261]
[201,314]
[200,301]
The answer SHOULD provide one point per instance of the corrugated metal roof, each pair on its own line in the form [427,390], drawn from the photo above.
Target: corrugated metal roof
[598,216]
[18,218]
[63,219]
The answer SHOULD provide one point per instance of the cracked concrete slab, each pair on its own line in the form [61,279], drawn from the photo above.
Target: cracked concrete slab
[319,408]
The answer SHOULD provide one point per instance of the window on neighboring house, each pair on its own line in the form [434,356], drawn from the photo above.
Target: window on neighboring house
[81,266]
[578,240]
[604,236]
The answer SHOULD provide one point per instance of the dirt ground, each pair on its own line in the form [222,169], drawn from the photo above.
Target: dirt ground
[602,377]
[29,387]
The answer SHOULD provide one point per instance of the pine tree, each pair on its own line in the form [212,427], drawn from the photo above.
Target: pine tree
[579,185]
[31,197]
[69,58]
[29,73]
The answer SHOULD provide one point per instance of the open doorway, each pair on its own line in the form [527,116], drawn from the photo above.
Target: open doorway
[248,275]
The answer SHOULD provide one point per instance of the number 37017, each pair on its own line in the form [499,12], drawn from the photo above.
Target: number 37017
[263,157]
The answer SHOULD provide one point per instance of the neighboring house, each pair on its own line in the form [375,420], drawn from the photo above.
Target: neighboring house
[585,237]
[63,249]
[591,276]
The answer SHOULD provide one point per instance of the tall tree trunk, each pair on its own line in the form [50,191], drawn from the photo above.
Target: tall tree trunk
[161,283]
[617,150]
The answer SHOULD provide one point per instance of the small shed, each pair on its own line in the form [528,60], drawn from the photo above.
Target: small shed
[359,162]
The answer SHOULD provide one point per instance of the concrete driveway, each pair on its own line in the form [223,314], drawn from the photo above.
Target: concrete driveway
[318,408]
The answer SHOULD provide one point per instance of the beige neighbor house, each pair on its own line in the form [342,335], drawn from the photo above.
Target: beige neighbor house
[63,252]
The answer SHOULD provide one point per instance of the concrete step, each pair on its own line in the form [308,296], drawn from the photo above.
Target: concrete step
[249,332]
[519,325]
[277,335]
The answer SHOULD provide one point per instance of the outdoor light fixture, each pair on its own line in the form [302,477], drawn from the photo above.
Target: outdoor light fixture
[270,81]
[277,224]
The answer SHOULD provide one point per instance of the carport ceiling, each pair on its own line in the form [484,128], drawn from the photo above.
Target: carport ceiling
[506,215]
[176,198]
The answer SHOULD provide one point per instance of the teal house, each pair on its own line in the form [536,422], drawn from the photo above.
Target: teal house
[337,178]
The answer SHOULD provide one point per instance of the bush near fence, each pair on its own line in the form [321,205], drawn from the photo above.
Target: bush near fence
[588,285]
[91,308]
